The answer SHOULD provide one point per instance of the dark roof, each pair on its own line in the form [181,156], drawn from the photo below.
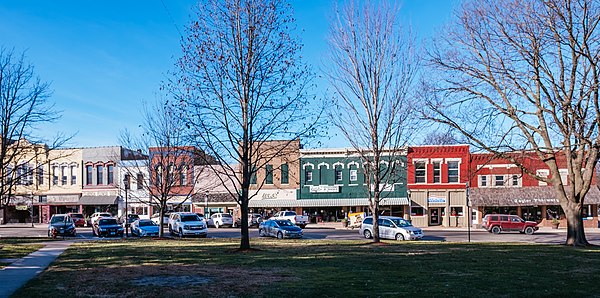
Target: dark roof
[522,196]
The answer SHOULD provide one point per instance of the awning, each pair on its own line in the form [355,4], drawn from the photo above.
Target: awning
[522,196]
[287,203]
[98,200]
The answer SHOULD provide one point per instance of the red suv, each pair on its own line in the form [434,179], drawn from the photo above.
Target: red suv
[78,219]
[496,223]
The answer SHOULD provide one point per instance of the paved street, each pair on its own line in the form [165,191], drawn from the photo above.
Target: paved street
[545,235]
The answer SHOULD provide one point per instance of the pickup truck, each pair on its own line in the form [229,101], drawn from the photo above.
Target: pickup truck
[299,220]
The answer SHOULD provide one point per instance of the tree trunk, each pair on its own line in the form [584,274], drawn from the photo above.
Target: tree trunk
[375,209]
[575,230]
[245,242]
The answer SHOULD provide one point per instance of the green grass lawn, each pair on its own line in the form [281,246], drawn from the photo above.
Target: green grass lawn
[213,267]
[15,249]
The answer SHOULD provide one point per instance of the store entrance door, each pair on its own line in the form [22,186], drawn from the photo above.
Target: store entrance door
[435,218]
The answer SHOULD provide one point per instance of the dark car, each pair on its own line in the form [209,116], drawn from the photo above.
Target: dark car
[279,228]
[130,218]
[107,227]
[496,223]
[78,219]
[61,224]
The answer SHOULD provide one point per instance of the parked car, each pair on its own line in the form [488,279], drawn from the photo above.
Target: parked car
[254,220]
[156,218]
[107,226]
[496,223]
[130,218]
[62,224]
[221,220]
[144,228]
[300,220]
[187,224]
[391,227]
[280,228]
[78,219]
[96,216]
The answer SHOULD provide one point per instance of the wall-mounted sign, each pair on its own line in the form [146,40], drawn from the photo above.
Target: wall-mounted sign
[273,194]
[436,200]
[324,188]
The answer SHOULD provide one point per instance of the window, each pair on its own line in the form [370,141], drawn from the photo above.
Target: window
[515,180]
[483,181]
[338,175]
[111,174]
[269,174]
[420,172]
[40,172]
[127,181]
[285,179]
[158,175]
[417,211]
[542,174]
[183,175]
[170,174]
[437,171]
[54,175]
[63,175]
[456,211]
[353,175]
[498,180]
[253,176]
[88,175]
[453,172]
[322,175]
[308,175]
[140,181]
[564,176]
[73,175]
[99,175]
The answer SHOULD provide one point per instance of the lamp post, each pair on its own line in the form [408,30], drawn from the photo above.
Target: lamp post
[409,204]
[206,204]
[469,219]
[126,185]
[31,211]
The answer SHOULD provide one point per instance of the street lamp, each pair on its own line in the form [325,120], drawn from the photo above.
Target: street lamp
[206,204]
[126,185]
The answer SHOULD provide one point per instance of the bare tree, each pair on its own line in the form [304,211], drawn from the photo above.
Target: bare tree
[242,83]
[24,108]
[162,165]
[440,138]
[524,75]
[373,66]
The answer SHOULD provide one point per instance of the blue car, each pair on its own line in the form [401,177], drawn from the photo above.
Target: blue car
[144,228]
[279,228]
[107,226]
[61,224]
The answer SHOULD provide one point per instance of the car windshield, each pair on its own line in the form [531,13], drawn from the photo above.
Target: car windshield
[190,217]
[58,219]
[76,215]
[284,223]
[107,221]
[401,222]
[146,223]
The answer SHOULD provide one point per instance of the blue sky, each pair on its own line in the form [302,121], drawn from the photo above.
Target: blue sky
[103,58]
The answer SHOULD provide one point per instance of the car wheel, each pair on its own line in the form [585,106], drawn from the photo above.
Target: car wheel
[49,235]
[367,234]
[496,230]
[261,233]
[529,230]
[279,235]
[302,226]
[216,224]
[399,236]
[180,233]
[171,231]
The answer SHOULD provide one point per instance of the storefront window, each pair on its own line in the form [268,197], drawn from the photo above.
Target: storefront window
[417,211]
[456,211]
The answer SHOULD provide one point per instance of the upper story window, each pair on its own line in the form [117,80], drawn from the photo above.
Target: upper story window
[564,176]
[453,172]
[499,180]
[338,175]
[437,172]
[308,177]
[170,175]
[322,178]
[285,176]
[183,175]
[140,181]
[40,172]
[54,175]
[111,174]
[269,174]
[353,175]
[543,174]
[99,175]
[73,170]
[514,180]
[253,176]
[63,175]
[24,174]
[158,175]
[483,181]
[88,175]
[420,172]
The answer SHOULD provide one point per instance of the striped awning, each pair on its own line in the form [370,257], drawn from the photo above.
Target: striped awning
[98,200]
[289,203]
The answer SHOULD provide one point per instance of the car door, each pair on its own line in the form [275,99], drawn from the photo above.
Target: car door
[505,223]
[384,228]
[515,223]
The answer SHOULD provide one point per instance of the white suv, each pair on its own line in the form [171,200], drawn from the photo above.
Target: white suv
[391,227]
[97,215]
[222,220]
[187,224]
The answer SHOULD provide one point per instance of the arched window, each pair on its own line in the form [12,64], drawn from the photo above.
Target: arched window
[183,175]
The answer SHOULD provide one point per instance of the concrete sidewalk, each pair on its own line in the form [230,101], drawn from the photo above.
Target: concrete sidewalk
[20,272]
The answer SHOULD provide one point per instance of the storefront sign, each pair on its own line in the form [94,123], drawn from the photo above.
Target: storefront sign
[436,200]
[324,188]
[273,194]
